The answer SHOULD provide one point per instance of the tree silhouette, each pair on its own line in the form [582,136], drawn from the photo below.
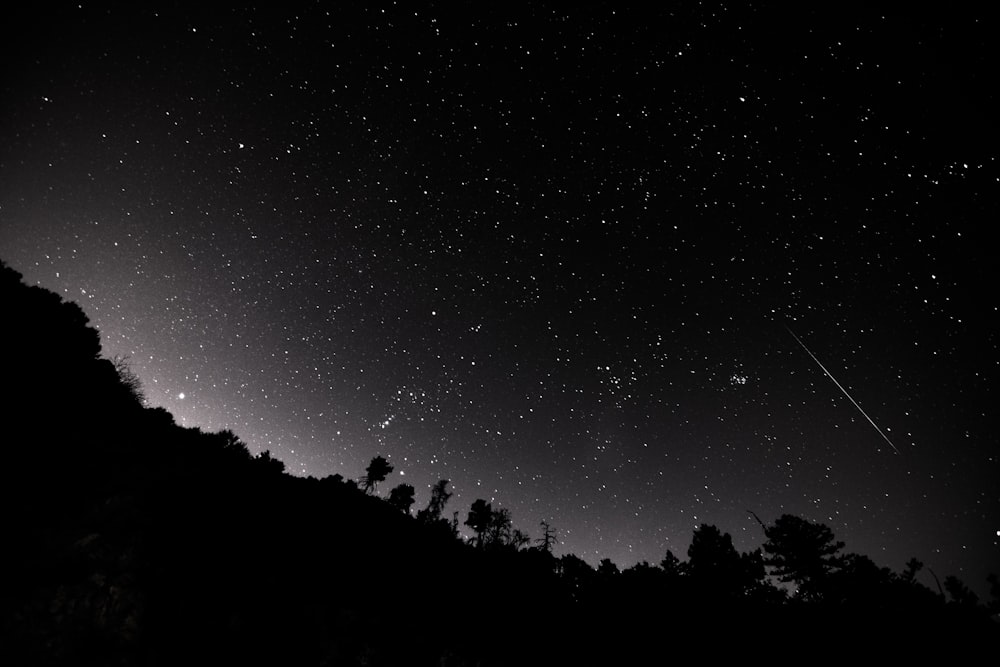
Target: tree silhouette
[913,566]
[711,552]
[801,552]
[401,497]
[672,565]
[376,472]
[715,566]
[269,463]
[753,577]
[480,516]
[575,575]
[518,539]
[230,447]
[548,538]
[498,532]
[960,594]
[994,604]
[607,568]
[439,498]
[494,528]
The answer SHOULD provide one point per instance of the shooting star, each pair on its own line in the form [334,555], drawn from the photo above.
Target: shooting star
[841,388]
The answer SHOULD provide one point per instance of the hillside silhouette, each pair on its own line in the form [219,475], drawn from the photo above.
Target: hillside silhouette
[131,540]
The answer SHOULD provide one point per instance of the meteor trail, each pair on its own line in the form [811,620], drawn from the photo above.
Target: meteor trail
[839,386]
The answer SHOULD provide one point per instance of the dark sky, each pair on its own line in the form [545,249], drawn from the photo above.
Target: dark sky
[559,257]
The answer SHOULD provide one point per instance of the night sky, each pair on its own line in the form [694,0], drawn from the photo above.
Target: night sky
[559,257]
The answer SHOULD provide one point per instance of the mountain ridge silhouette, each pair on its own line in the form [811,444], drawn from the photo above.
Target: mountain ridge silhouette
[131,539]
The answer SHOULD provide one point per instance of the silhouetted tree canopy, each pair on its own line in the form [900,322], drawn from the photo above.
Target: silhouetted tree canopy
[479,519]
[718,569]
[607,568]
[401,497]
[672,565]
[711,552]
[269,463]
[439,498]
[960,593]
[378,469]
[913,566]
[801,552]
[994,581]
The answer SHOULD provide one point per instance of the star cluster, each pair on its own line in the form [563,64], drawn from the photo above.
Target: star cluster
[553,256]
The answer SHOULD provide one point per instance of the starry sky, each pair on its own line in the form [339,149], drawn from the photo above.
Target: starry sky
[588,264]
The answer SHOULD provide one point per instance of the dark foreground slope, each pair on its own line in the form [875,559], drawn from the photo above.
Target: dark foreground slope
[131,540]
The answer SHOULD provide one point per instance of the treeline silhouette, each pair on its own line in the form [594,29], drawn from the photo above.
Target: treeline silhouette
[131,540]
